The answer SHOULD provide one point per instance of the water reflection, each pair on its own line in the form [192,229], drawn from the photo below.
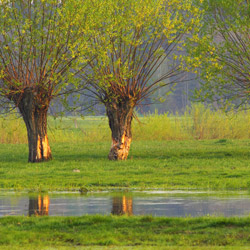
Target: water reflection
[122,205]
[39,206]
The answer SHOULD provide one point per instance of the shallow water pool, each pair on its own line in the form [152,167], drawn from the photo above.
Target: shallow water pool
[155,203]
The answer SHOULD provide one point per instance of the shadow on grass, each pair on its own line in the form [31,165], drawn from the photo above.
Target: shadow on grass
[90,156]
[80,157]
[193,155]
[95,151]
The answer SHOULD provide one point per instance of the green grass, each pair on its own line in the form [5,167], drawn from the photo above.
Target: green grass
[167,153]
[123,231]
[126,248]
[206,165]
[198,122]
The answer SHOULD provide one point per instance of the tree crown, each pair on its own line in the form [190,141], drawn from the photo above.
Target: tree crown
[133,38]
[220,55]
[39,45]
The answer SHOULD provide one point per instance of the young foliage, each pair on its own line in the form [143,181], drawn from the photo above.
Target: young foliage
[220,55]
[133,39]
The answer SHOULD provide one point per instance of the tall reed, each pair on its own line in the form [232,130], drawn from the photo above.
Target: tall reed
[197,123]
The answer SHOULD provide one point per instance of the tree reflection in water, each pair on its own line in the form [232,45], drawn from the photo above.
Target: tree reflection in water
[122,205]
[39,206]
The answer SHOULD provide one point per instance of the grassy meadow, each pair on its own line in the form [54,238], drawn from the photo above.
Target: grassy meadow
[201,150]
[209,164]
[116,232]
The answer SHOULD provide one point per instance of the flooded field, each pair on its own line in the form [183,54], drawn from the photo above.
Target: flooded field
[158,203]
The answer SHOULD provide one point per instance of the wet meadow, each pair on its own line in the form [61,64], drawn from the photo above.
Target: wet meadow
[198,150]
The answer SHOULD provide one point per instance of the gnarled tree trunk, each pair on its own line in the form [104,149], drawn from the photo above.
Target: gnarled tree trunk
[120,118]
[35,118]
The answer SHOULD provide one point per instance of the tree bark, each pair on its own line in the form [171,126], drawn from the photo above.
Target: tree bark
[120,119]
[35,118]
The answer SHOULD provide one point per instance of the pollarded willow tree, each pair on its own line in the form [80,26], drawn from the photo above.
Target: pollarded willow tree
[220,55]
[39,46]
[133,39]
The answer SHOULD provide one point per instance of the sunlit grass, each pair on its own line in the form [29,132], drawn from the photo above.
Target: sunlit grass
[202,149]
[210,164]
[113,231]
[197,123]
[167,152]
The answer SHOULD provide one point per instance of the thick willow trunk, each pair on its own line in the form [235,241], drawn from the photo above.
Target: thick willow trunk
[35,118]
[120,118]
[39,149]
